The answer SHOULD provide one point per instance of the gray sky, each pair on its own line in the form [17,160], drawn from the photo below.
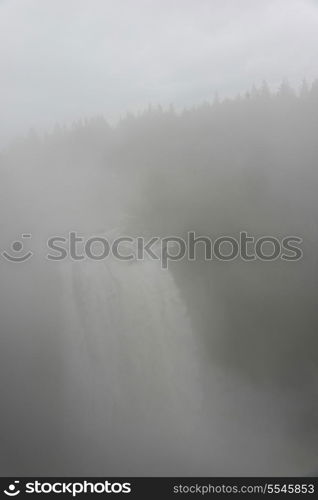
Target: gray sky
[62,59]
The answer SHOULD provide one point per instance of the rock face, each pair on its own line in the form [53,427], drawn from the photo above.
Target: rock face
[137,398]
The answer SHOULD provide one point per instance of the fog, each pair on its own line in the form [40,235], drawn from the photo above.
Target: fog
[61,61]
[120,366]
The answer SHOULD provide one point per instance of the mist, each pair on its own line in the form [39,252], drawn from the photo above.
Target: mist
[120,366]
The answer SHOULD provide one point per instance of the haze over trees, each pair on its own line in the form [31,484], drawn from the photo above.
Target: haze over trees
[232,165]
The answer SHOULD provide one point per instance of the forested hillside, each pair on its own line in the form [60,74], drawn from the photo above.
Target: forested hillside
[226,166]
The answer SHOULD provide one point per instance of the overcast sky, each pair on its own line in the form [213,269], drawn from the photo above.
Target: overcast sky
[63,59]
